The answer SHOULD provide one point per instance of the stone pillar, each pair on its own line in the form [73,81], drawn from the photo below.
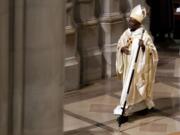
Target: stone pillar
[18,57]
[4,66]
[38,67]
[43,67]
[72,60]
[88,41]
[112,26]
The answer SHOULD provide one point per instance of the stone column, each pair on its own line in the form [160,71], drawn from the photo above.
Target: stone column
[112,26]
[44,67]
[72,60]
[38,67]
[4,66]
[88,41]
[18,57]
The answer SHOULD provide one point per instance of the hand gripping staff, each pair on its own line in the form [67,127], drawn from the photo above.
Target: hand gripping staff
[120,110]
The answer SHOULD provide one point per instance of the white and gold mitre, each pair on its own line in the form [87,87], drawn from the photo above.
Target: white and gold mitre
[138,13]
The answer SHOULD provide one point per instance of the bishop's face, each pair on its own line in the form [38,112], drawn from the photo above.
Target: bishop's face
[133,24]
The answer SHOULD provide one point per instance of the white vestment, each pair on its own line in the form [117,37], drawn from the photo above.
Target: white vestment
[140,95]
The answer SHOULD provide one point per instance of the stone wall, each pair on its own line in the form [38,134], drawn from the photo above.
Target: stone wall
[32,43]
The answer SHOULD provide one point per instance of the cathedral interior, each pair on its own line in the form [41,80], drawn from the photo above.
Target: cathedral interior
[57,67]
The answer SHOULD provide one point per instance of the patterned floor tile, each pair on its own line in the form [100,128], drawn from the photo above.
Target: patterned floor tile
[159,127]
[89,111]
[71,123]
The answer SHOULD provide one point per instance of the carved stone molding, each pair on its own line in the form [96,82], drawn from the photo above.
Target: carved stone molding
[110,33]
[72,60]
[88,41]
[70,14]
[85,11]
[112,24]
[84,1]
[110,10]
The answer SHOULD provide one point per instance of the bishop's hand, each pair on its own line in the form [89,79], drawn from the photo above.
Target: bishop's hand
[125,49]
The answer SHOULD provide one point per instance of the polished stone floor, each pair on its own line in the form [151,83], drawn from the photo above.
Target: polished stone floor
[88,111]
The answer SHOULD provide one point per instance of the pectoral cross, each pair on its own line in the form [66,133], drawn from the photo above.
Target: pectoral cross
[129,41]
